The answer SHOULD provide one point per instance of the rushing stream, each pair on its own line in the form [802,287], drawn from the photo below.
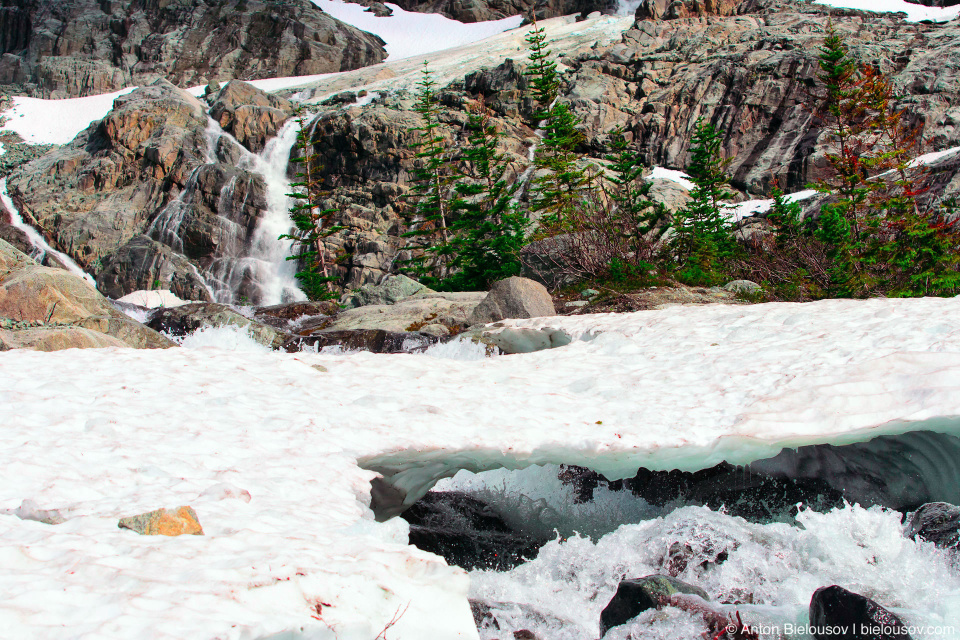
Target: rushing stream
[766,566]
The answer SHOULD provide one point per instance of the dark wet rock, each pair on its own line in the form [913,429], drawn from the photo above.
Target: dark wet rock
[252,116]
[372,340]
[936,3]
[701,553]
[294,310]
[636,595]
[741,491]
[513,298]
[467,532]
[936,522]
[87,47]
[143,263]
[184,319]
[844,615]
[898,472]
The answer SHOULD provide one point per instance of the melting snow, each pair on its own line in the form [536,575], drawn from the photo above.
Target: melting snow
[153,298]
[683,387]
[659,173]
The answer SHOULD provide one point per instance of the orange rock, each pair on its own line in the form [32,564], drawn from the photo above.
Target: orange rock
[164,522]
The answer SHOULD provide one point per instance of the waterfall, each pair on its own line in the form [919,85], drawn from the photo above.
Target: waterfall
[627,8]
[250,267]
[275,274]
[40,246]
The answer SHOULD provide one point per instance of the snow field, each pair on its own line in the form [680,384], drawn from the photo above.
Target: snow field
[409,33]
[40,121]
[683,387]
[915,12]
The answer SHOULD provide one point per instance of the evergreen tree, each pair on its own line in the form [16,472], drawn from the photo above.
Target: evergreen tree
[544,79]
[557,193]
[312,221]
[639,219]
[703,237]
[429,220]
[560,191]
[879,239]
[489,232]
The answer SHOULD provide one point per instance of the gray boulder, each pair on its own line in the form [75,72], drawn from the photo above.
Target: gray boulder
[742,286]
[411,314]
[514,297]
[393,289]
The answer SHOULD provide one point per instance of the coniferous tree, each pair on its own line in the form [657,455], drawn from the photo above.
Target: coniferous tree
[879,238]
[312,221]
[703,236]
[640,219]
[544,79]
[489,231]
[562,188]
[429,219]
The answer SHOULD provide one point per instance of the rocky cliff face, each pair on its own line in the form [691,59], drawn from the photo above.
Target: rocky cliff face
[754,76]
[57,49]
[158,194]
[159,191]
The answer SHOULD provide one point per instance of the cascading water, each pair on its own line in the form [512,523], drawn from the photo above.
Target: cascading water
[40,246]
[249,267]
[627,7]
[257,263]
[276,274]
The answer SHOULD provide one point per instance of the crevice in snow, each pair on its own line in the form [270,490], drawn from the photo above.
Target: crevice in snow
[919,462]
